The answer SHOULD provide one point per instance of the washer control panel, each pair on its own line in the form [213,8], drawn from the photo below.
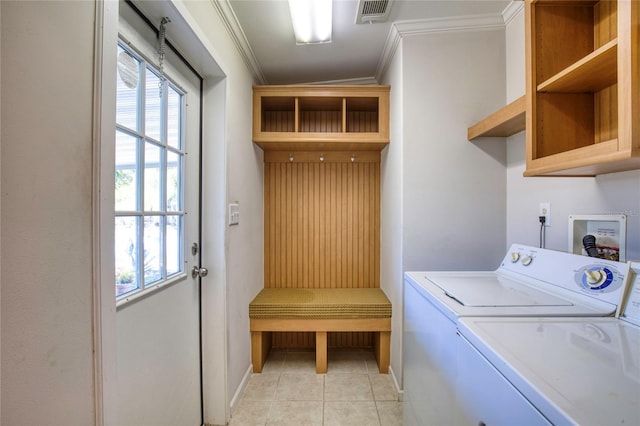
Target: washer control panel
[521,255]
[598,278]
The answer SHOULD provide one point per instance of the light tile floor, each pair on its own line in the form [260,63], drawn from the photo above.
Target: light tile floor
[288,392]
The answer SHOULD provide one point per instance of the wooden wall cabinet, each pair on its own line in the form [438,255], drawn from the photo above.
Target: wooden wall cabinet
[583,87]
[321,118]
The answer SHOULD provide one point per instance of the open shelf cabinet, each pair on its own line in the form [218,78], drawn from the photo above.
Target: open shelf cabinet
[583,77]
[325,118]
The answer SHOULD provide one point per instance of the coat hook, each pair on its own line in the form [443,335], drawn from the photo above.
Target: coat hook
[322,157]
[353,158]
[291,157]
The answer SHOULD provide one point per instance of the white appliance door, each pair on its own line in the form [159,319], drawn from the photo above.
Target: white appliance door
[487,397]
[429,345]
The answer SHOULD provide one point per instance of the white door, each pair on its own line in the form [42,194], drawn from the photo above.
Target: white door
[156,226]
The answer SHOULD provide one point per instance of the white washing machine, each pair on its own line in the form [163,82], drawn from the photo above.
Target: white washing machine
[530,282]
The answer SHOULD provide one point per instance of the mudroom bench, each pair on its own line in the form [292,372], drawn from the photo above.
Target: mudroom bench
[320,310]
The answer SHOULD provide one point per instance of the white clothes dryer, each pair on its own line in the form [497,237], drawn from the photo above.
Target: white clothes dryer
[530,282]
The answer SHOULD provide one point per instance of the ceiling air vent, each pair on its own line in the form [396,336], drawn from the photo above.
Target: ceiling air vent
[370,11]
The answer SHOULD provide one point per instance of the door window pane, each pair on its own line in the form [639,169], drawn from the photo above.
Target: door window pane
[152,177]
[174,243]
[174,107]
[152,249]
[174,172]
[126,172]
[153,106]
[127,84]
[126,254]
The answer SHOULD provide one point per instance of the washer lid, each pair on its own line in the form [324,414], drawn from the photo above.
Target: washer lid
[493,291]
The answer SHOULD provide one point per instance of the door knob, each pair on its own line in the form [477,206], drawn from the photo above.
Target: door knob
[199,272]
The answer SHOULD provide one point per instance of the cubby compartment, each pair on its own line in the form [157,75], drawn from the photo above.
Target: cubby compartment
[320,114]
[278,114]
[575,59]
[576,102]
[362,115]
[567,32]
[321,117]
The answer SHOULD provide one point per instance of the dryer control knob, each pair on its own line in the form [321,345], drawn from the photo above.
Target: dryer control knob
[594,278]
[526,260]
[514,257]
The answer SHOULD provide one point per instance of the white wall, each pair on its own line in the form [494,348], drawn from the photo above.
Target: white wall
[244,167]
[516,71]
[605,194]
[454,190]
[47,83]
[0,209]
[443,197]
[391,207]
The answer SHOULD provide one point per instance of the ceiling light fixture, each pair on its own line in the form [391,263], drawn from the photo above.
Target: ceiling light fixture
[311,20]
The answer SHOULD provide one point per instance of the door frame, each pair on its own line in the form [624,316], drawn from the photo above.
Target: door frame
[215,398]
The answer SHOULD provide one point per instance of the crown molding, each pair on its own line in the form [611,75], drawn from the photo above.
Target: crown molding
[348,81]
[402,29]
[511,11]
[388,51]
[234,29]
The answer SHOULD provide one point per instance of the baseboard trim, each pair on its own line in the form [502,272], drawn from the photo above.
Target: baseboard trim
[396,384]
[243,384]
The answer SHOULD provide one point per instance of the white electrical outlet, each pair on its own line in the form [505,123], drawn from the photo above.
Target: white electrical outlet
[545,210]
[234,214]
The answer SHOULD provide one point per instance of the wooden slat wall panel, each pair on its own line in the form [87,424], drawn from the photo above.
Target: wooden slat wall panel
[605,17]
[321,121]
[300,340]
[322,229]
[278,121]
[304,340]
[322,223]
[362,121]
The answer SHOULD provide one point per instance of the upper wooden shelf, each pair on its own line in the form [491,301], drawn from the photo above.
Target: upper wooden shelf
[592,73]
[507,121]
[321,117]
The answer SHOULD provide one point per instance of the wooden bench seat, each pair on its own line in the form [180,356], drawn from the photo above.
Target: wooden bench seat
[320,311]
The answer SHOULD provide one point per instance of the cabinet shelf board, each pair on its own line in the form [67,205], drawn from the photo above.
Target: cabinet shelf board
[590,74]
[592,160]
[321,146]
[506,121]
[567,2]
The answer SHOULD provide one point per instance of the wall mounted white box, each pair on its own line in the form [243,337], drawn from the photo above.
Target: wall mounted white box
[610,231]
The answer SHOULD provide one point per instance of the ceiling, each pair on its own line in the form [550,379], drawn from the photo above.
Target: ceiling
[358,52]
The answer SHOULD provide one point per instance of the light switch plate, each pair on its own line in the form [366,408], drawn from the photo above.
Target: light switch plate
[234,214]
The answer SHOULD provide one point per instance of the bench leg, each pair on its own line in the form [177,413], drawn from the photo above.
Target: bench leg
[382,350]
[260,346]
[321,352]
